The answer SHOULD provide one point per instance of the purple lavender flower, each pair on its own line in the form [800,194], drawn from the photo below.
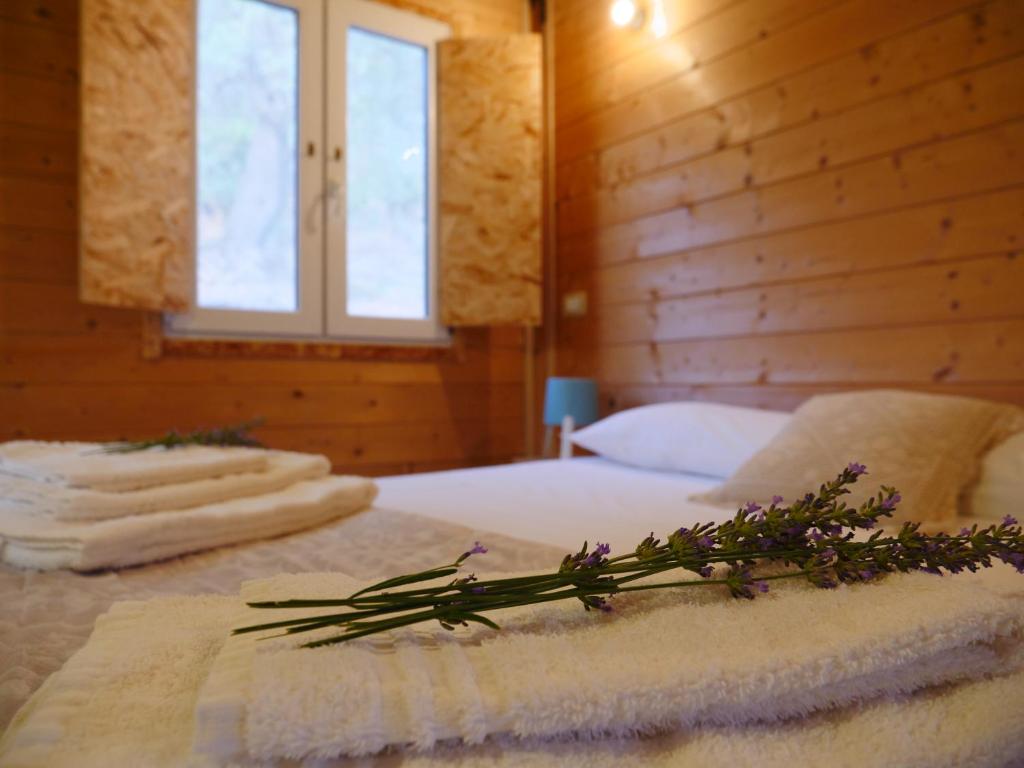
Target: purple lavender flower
[761,586]
[478,549]
[965,532]
[890,503]
[594,558]
[707,571]
[606,606]
[751,507]
[856,469]
[705,542]
[816,536]
[1009,520]
[777,499]
[1016,559]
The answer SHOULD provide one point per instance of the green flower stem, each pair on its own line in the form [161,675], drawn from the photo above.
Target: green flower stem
[814,536]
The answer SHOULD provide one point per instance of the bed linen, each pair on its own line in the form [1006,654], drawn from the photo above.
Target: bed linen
[46,617]
[659,661]
[128,698]
[86,465]
[559,503]
[78,505]
[31,541]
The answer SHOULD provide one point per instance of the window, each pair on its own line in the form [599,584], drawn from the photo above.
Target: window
[315,171]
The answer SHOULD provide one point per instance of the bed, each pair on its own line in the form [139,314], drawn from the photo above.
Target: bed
[529,514]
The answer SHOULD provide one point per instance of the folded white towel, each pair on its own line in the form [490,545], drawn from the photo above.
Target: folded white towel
[40,543]
[128,698]
[31,497]
[671,659]
[87,465]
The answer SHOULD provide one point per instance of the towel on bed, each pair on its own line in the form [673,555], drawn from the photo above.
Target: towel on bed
[86,465]
[128,698]
[37,542]
[669,659]
[31,497]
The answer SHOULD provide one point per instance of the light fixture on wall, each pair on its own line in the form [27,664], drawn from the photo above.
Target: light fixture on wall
[627,13]
[659,24]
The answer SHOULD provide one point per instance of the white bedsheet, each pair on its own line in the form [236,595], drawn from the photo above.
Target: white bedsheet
[559,503]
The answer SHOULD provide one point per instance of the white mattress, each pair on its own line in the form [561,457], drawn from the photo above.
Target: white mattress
[560,503]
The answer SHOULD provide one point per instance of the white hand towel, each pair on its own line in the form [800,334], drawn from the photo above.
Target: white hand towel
[128,697]
[87,465]
[677,658]
[32,497]
[35,542]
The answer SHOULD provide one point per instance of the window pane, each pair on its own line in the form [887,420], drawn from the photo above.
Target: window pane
[387,177]
[247,159]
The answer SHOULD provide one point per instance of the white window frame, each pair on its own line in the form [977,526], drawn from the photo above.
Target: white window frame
[402,25]
[321,226]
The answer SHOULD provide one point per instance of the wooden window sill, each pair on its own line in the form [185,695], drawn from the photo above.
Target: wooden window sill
[156,344]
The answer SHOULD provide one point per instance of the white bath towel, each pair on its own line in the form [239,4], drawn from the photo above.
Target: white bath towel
[671,659]
[128,698]
[87,465]
[31,497]
[35,542]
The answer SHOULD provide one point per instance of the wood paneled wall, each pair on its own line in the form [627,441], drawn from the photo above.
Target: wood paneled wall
[71,371]
[783,197]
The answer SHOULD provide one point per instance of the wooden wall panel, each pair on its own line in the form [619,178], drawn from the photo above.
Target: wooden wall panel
[783,198]
[73,371]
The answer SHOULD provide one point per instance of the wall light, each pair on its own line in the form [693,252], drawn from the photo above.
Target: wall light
[659,24]
[625,13]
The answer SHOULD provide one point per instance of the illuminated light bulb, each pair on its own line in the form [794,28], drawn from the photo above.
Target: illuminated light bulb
[623,13]
[659,24]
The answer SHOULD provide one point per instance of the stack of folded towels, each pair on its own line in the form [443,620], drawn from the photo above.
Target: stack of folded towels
[74,505]
[915,670]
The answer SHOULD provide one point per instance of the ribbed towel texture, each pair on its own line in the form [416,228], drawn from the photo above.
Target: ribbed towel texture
[59,502]
[129,697]
[86,465]
[662,660]
[70,505]
[34,542]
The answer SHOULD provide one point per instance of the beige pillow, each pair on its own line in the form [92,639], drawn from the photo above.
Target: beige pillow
[928,446]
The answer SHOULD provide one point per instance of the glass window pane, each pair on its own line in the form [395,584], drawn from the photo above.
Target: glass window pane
[386,191]
[247,160]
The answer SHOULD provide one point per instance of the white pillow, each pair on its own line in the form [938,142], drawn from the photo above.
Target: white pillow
[1000,490]
[700,438]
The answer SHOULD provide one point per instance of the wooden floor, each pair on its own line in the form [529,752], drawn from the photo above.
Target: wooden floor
[782,197]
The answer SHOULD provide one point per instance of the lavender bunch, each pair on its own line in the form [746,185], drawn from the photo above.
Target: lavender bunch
[813,538]
[222,436]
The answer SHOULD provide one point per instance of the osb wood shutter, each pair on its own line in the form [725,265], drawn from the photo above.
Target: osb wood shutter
[136,155]
[490,113]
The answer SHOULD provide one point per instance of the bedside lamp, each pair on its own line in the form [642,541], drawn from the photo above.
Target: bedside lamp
[569,402]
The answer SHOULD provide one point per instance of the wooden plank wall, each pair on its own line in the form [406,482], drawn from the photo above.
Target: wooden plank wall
[71,371]
[783,197]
